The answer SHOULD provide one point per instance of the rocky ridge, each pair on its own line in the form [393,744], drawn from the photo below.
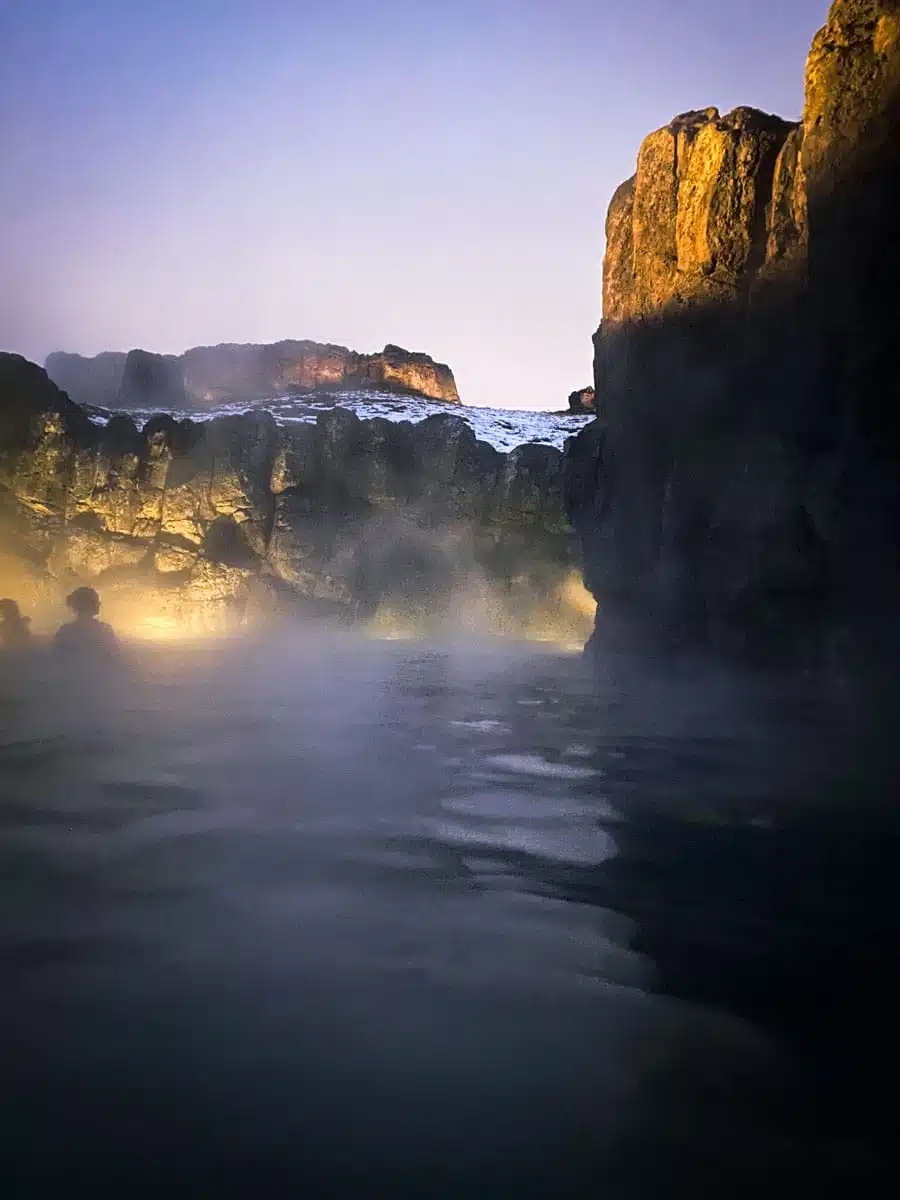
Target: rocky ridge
[190,526]
[206,376]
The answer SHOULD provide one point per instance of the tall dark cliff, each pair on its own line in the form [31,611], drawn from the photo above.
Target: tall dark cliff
[741,484]
[208,375]
[184,526]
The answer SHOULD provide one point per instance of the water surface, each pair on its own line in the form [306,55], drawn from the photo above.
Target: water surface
[330,916]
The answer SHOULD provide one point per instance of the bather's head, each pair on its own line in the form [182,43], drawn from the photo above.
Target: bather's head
[10,612]
[84,602]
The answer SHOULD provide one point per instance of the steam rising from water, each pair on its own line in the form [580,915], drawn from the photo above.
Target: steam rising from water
[559,613]
[562,617]
[308,890]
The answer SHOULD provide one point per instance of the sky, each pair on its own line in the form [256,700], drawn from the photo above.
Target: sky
[433,173]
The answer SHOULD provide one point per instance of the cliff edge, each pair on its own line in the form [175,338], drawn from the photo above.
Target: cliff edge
[205,376]
[741,484]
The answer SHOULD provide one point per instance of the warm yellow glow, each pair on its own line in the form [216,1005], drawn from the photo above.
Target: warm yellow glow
[390,625]
[181,626]
[563,618]
[560,616]
[158,629]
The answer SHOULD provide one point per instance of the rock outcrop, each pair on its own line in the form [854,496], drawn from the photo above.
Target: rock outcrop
[208,375]
[189,525]
[582,401]
[741,483]
[691,224]
[151,381]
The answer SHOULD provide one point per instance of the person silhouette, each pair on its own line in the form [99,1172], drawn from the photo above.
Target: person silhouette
[14,631]
[85,635]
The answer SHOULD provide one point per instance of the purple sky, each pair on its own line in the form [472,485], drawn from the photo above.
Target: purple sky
[429,173]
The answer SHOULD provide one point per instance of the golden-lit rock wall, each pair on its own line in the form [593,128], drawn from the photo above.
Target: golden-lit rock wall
[195,524]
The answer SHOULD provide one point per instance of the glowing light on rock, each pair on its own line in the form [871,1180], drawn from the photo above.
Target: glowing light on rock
[159,629]
[562,617]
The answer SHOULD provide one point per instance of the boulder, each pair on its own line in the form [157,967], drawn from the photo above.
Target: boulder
[171,559]
[90,553]
[582,401]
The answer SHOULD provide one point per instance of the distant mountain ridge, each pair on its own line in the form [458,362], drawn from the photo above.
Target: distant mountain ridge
[205,376]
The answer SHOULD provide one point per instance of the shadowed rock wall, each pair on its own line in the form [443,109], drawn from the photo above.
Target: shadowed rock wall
[741,485]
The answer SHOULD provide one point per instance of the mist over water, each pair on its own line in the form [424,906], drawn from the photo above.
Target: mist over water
[315,911]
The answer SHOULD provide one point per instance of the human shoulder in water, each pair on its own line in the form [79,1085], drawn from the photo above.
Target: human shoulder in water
[86,635]
[14,628]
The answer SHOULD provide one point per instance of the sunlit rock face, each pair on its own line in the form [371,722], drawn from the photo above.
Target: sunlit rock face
[852,71]
[205,376]
[193,527]
[742,482]
[691,224]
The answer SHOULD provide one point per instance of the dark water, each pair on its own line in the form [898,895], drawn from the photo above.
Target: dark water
[331,917]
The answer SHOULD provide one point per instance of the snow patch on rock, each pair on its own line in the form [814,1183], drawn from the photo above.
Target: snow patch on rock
[505,429]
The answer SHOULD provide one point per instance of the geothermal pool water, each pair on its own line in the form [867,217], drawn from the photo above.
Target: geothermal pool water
[328,915]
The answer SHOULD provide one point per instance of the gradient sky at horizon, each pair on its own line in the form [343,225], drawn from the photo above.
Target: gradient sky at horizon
[433,173]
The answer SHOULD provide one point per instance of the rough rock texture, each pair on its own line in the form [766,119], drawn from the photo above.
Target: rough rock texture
[691,224]
[742,483]
[192,525]
[786,225]
[209,375]
[851,162]
[582,401]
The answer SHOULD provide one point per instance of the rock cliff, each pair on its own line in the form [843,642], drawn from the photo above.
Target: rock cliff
[741,484]
[691,223]
[188,526]
[208,375]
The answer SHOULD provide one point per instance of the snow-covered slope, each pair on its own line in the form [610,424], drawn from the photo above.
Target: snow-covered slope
[502,428]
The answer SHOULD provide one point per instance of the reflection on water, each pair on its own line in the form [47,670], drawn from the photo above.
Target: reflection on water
[348,916]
